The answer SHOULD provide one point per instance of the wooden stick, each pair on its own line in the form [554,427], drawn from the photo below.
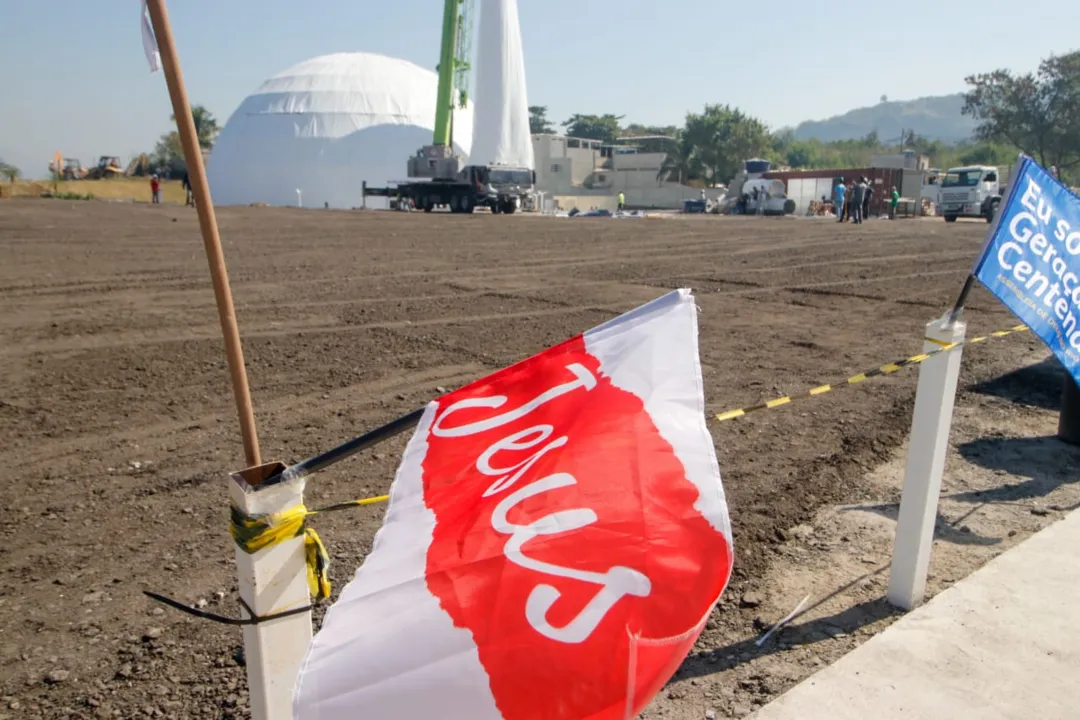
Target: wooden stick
[185,124]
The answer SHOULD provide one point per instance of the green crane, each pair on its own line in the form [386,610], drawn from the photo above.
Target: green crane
[454,67]
[501,189]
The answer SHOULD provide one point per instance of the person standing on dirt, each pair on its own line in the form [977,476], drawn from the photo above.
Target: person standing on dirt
[155,190]
[849,197]
[893,202]
[866,199]
[622,201]
[858,193]
[839,193]
[189,200]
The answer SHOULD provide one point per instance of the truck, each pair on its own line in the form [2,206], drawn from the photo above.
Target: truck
[974,191]
[437,177]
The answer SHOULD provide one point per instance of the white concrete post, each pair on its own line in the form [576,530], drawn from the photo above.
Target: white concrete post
[273,580]
[927,447]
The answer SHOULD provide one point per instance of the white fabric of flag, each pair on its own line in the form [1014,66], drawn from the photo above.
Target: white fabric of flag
[149,42]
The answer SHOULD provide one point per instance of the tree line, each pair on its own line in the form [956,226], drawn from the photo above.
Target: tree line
[1037,113]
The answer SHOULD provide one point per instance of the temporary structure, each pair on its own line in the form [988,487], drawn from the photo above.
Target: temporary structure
[501,134]
[323,127]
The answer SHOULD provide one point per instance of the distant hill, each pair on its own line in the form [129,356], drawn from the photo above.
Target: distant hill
[938,118]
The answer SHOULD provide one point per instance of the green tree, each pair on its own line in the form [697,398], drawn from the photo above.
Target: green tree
[802,154]
[604,128]
[206,126]
[680,164]
[984,153]
[799,154]
[719,139]
[538,120]
[1037,113]
[639,130]
[9,171]
[168,155]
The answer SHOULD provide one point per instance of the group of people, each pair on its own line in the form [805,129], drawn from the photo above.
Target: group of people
[852,200]
[155,190]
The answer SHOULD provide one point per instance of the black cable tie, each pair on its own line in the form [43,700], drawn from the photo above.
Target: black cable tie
[213,617]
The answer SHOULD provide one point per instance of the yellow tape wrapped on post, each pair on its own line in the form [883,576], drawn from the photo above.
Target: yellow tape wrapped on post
[253,533]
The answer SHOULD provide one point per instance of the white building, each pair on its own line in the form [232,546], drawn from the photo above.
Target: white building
[587,173]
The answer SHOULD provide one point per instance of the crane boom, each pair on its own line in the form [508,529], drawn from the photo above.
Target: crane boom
[463,53]
[453,66]
[502,189]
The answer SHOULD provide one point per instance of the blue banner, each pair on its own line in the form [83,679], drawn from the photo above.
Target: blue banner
[1031,259]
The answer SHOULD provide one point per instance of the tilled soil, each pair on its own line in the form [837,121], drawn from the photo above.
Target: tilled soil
[119,428]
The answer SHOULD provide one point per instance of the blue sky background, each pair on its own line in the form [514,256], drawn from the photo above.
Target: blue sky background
[73,76]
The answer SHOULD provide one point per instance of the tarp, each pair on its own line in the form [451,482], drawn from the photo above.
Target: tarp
[1031,259]
[501,133]
[324,126]
[556,538]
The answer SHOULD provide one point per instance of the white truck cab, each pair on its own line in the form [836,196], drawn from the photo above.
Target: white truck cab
[973,191]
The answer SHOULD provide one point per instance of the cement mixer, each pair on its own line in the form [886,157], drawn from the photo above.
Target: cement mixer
[750,193]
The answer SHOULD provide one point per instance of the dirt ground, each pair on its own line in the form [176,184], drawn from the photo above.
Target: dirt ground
[119,429]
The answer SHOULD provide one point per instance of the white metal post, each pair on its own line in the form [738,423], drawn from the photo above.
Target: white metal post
[273,580]
[927,448]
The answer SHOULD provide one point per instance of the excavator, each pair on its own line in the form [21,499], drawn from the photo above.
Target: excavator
[63,168]
[500,188]
[140,165]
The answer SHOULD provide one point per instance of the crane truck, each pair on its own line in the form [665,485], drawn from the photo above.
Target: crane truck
[445,182]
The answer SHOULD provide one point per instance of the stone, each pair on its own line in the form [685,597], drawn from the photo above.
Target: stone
[57,676]
[751,599]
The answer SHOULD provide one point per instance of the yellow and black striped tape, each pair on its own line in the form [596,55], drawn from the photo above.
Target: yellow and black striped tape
[888,369]
[252,533]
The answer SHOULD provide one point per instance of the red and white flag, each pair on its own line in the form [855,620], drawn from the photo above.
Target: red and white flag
[556,537]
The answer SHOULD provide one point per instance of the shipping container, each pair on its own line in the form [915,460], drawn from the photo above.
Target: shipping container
[806,185]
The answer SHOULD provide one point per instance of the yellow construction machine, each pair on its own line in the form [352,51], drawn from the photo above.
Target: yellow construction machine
[108,167]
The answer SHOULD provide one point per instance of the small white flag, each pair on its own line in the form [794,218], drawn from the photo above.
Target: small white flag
[149,42]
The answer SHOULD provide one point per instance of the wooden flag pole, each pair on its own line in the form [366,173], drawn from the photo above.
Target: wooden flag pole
[273,579]
[185,124]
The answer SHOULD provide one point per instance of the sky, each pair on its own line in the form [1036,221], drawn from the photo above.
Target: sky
[73,76]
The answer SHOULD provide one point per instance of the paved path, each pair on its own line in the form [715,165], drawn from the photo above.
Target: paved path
[1002,643]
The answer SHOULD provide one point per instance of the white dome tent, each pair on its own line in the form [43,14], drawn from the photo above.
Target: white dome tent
[323,127]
